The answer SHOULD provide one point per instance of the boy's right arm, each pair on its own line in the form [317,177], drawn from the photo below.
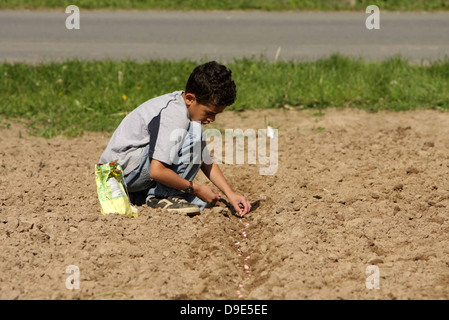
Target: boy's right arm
[160,172]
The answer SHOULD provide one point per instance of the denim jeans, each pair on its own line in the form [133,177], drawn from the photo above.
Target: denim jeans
[141,187]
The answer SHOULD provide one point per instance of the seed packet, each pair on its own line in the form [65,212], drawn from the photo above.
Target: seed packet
[111,193]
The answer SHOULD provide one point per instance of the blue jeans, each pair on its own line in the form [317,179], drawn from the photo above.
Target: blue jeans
[141,187]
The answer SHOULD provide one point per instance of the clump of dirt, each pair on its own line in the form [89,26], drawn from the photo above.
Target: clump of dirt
[352,189]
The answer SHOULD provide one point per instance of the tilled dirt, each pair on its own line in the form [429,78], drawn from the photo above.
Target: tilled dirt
[352,190]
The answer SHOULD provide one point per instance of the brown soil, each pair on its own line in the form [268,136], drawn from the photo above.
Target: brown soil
[353,189]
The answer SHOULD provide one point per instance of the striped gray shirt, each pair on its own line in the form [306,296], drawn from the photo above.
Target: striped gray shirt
[152,123]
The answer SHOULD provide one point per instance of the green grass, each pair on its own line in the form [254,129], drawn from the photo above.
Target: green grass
[73,96]
[268,5]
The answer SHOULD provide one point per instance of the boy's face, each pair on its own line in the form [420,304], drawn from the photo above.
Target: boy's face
[200,112]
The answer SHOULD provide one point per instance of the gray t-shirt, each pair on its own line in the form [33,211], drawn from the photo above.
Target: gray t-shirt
[152,123]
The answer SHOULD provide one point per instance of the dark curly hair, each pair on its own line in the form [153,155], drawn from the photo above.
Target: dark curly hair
[211,83]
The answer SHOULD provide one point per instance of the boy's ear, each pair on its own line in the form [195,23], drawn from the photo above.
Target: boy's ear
[190,98]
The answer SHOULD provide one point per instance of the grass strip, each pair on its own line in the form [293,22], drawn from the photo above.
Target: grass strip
[67,98]
[266,5]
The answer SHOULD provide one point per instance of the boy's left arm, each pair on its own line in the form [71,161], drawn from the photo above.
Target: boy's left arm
[214,174]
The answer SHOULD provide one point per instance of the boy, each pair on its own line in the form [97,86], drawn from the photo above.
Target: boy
[145,145]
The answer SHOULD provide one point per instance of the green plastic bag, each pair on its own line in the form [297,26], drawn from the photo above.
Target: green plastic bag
[111,193]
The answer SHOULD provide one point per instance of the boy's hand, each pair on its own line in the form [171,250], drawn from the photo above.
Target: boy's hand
[237,200]
[206,193]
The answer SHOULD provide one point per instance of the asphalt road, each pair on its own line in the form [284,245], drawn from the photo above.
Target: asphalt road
[35,36]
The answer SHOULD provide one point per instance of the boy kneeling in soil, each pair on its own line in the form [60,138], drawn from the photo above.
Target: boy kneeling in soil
[149,141]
